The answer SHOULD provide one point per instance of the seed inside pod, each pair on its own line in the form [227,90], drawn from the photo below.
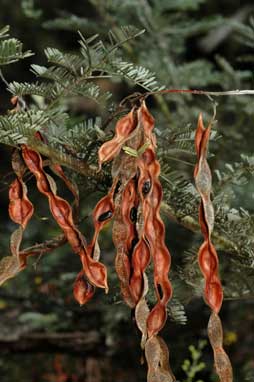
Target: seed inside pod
[106,215]
[133,214]
[146,187]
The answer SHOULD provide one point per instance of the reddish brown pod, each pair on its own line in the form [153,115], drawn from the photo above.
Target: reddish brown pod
[207,255]
[20,210]
[123,129]
[83,291]
[62,212]
[139,232]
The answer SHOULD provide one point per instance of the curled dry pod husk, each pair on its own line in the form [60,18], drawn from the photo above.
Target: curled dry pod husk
[154,232]
[83,291]
[61,210]
[122,131]
[139,233]
[207,255]
[57,169]
[208,259]
[20,211]
[20,207]
[122,259]
[222,363]
[140,261]
[157,356]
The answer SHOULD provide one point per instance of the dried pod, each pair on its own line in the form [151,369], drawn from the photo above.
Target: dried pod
[139,232]
[222,363]
[123,129]
[20,211]
[157,357]
[62,212]
[207,256]
[83,291]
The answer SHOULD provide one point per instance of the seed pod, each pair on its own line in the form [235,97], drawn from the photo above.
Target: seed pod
[20,211]
[139,232]
[123,129]
[83,291]
[207,256]
[62,213]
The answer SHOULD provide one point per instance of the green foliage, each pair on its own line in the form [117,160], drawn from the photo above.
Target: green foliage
[29,10]
[11,49]
[193,366]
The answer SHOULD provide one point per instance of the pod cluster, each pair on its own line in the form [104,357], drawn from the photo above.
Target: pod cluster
[133,202]
[139,232]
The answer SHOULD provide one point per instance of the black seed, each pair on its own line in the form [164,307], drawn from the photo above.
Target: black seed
[160,291]
[133,214]
[133,243]
[117,188]
[146,187]
[105,216]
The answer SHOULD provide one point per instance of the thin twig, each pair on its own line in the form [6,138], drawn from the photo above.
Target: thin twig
[202,92]
[3,78]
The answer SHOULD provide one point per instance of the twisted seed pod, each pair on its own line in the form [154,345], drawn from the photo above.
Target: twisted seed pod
[122,131]
[83,291]
[126,202]
[157,356]
[20,211]
[57,169]
[139,233]
[222,363]
[121,241]
[208,259]
[207,256]
[151,194]
[62,213]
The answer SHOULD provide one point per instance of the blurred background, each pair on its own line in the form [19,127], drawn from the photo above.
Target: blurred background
[44,335]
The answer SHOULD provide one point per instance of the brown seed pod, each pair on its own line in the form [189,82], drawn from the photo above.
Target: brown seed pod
[20,211]
[123,129]
[207,256]
[62,213]
[83,291]
[139,232]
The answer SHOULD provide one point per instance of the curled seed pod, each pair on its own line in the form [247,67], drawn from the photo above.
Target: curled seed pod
[154,232]
[123,129]
[147,121]
[138,231]
[157,357]
[103,212]
[20,207]
[62,213]
[207,256]
[222,363]
[57,169]
[208,259]
[140,260]
[122,241]
[83,291]
[209,264]
[20,211]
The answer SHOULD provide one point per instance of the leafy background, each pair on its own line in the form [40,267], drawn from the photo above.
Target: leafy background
[45,336]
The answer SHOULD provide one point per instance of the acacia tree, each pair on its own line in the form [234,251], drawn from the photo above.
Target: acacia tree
[45,132]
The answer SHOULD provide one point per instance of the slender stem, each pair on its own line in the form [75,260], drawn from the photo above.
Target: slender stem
[202,92]
[3,78]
